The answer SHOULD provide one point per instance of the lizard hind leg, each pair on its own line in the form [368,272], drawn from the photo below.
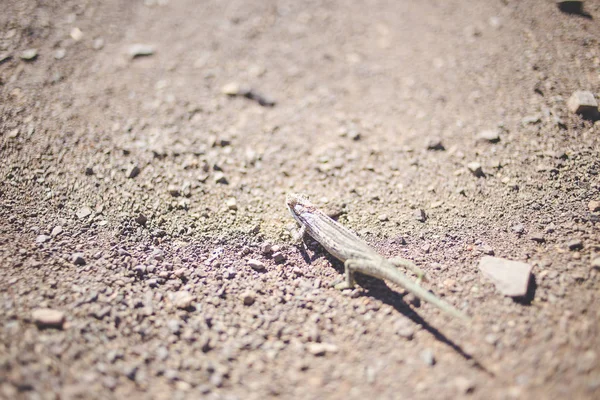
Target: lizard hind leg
[348,282]
[409,265]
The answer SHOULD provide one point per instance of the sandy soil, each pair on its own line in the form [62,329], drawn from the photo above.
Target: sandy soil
[134,191]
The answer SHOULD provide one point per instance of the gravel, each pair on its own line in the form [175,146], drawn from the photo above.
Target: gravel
[166,305]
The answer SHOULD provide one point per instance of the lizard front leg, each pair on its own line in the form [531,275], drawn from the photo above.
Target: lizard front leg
[299,235]
[348,282]
[409,265]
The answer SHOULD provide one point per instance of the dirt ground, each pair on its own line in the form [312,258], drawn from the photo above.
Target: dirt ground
[136,183]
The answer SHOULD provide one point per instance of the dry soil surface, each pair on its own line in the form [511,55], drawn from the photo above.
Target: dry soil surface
[134,190]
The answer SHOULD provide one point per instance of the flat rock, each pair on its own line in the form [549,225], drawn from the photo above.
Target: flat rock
[537,237]
[510,277]
[84,212]
[582,102]
[278,257]
[42,238]
[256,265]
[48,318]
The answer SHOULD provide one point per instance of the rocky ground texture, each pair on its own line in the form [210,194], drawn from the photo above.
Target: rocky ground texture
[147,147]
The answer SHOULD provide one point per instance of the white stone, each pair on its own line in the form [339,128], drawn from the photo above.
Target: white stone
[510,277]
[582,102]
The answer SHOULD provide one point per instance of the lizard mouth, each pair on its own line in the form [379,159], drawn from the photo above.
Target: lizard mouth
[298,203]
[293,199]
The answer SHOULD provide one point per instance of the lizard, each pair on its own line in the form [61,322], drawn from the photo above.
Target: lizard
[357,255]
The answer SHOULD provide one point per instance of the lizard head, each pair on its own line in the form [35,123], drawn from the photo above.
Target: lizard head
[298,203]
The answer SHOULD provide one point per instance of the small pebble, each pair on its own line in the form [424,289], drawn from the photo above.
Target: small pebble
[231,203]
[220,178]
[266,249]
[489,135]
[48,318]
[248,298]
[511,278]
[420,215]
[531,120]
[404,329]
[140,50]
[575,244]
[475,169]
[537,237]
[235,89]
[140,269]
[518,229]
[56,231]
[256,265]
[464,385]
[59,54]
[278,257]
[174,326]
[427,357]
[98,44]
[101,313]
[320,349]
[132,171]
[383,218]
[435,144]
[83,212]
[42,238]
[77,259]
[29,54]
[596,263]
[594,205]
[174,191]
[141,219]
[486,249]
[583,102]
[183,300]
[76,34]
